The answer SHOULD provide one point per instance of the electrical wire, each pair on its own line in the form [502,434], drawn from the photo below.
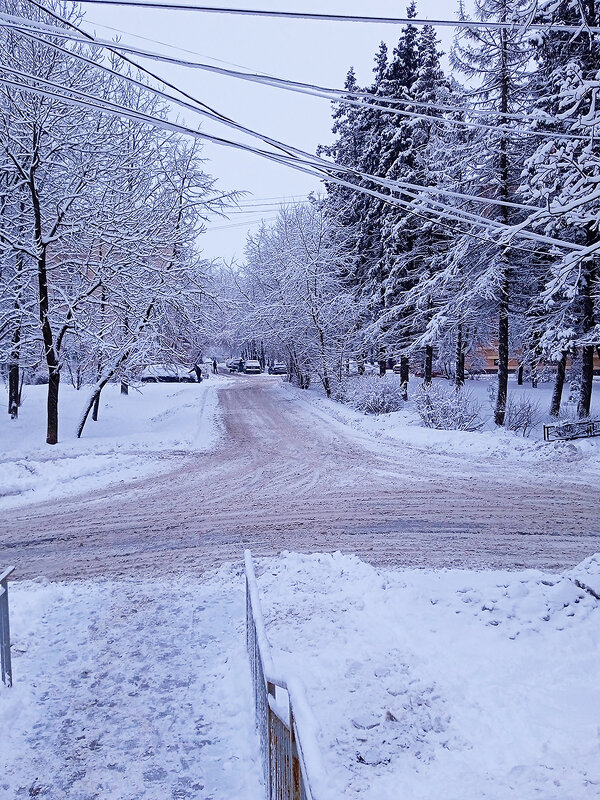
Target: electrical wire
[321,168]
[308,158]
[240,224]
[453,213]
[513,115]
[335,95]
[301,15]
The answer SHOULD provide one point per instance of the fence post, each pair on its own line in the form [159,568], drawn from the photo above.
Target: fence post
[5,629]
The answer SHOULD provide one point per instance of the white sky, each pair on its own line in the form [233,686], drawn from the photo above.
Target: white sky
[308,51]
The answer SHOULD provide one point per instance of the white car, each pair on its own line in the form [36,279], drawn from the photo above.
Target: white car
[252,367]
[167,373]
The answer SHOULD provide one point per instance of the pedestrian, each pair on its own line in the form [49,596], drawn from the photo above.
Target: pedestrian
[198,372]
[215,367]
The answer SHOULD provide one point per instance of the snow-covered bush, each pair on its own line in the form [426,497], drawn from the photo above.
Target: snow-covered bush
[371,394]
[448,408]
[380,397]
[522,415]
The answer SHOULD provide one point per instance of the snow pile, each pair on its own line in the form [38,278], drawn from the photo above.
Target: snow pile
[129,690]
[135,436]
[450,683]
[587,575]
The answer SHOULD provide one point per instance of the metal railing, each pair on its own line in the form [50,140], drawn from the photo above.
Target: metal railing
[5,628]
[572,430]
[281,740]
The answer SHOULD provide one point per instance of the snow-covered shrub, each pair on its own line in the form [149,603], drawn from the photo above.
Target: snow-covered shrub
[380,396]
[522,415]
[448,408]
[371,394]
[339,391]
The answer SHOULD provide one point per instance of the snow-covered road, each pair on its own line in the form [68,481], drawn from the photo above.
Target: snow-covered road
[288,476]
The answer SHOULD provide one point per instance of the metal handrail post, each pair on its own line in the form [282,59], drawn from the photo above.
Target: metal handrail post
[5,628]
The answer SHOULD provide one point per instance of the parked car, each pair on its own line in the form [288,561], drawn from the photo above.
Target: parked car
[233,364]
[252,367]
[167,373]
[278,368]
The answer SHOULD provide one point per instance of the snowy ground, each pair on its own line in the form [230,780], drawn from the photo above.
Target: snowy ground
[135,436]
[454,684]
[405,426]
[129,691]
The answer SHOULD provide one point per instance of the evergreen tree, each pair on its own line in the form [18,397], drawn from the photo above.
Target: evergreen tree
[564,174]
[497,60]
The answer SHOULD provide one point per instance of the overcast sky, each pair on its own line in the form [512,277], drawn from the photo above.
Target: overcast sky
[307,51]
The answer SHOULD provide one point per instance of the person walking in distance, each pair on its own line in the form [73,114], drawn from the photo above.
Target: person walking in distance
[198,372]
[215,367]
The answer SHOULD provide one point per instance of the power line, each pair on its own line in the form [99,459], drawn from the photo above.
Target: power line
[288,150]
[447,212]
[301,161]
[203,108]
[240,224]
[301,15]
[341,92]
[335,95]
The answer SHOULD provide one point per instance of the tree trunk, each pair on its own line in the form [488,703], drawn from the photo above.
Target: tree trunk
[459,367]
[587,366]
[534,375]
[559,383]
[382,367]
[14,400]
[124,387]
[520,375]
[587,377]
[504,178]
[501,397]
[95,407]
[428,365]
[14,391]
[49,343]
[14,386]
[52,406]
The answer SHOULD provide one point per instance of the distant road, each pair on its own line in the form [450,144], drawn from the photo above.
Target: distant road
[285,479]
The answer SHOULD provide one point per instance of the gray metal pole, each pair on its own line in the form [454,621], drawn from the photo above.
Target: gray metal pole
[5,629]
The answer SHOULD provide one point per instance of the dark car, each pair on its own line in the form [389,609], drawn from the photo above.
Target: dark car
[167,373]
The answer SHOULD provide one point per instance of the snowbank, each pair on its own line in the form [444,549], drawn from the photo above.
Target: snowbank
[449,683]
[134,436]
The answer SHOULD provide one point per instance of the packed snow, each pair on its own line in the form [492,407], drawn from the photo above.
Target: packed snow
[139,435]
[135,436]
[129,690]
[423,683]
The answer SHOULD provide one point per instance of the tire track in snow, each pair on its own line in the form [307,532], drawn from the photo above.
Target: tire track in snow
[284,477]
